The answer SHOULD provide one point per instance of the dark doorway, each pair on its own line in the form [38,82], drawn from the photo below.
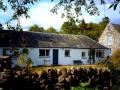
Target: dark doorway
[55,56]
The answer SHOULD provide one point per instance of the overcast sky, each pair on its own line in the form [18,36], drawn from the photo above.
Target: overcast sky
[40,14]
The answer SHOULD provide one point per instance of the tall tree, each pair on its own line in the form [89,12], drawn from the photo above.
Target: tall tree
[69,27]
[36,28]
[93,30]
[104,21]
[83,25]
[51,30]
[103,24]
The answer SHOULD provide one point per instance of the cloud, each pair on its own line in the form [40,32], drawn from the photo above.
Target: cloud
[41,15]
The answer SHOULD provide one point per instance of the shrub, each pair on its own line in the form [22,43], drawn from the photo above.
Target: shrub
[115,59]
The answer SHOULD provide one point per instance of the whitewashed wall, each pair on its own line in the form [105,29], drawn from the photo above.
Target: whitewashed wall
[1,51]
[75,54]
[37,60]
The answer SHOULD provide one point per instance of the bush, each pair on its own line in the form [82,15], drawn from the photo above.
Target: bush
[113,63]
[115,59]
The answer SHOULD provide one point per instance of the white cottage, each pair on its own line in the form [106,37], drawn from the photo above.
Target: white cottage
[51,49]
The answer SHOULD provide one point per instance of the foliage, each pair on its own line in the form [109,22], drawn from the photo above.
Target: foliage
[69,27]
[74,8]
[115,59]
[36,28]
[91,30]
[51,30]
[26,51]
[82,88]
[113,63]
[19,7]
[16,51]
[24,60]
[92,55]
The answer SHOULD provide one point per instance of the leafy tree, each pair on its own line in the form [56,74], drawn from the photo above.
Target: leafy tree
[104,22]
[71,8]
[1,27]
[74,8]
[92,30]
[91,56]
[51,30]
[19,8]
[83,25]
[69,27]
[36,28]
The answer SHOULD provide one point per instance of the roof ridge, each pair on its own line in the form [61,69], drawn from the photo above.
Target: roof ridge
[41,39]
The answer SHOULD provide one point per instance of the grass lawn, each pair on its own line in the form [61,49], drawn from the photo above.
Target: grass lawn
[82,86]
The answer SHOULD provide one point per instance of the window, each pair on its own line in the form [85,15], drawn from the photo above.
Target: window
[108,27]
[83,55]
[25,50]
[67,53]
[100,54]
[110,51]
[44,52]
[109,41]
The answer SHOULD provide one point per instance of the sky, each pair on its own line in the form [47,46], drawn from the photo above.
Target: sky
[40,14]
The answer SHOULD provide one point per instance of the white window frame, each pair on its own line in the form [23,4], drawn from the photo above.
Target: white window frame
[109,40]
[45,53]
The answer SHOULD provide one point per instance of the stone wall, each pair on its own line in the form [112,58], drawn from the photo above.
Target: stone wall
[110,30]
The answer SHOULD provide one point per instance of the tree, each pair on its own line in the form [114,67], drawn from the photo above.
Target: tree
[51,30]
[71,8]
[104,22]
[75,8]
[91,56]
[69,27]
[83,25]
[19,8]
[1,27]
[92,30]
[36,28]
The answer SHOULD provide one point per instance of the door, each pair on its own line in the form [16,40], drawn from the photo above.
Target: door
[55,56]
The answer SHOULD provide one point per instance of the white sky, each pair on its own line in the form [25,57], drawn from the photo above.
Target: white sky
[40,14]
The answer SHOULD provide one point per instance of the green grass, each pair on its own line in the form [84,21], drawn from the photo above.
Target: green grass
[81,88]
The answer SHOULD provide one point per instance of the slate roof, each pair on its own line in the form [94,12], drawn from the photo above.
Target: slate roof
[9,38]
[117,27]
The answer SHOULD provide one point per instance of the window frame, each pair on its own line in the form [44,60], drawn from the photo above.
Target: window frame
[109,40]
[100,53]
[67,51]
[83,55]
[45,52]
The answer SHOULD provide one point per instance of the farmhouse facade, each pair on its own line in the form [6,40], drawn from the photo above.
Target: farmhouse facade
[51,49]
[111,37]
